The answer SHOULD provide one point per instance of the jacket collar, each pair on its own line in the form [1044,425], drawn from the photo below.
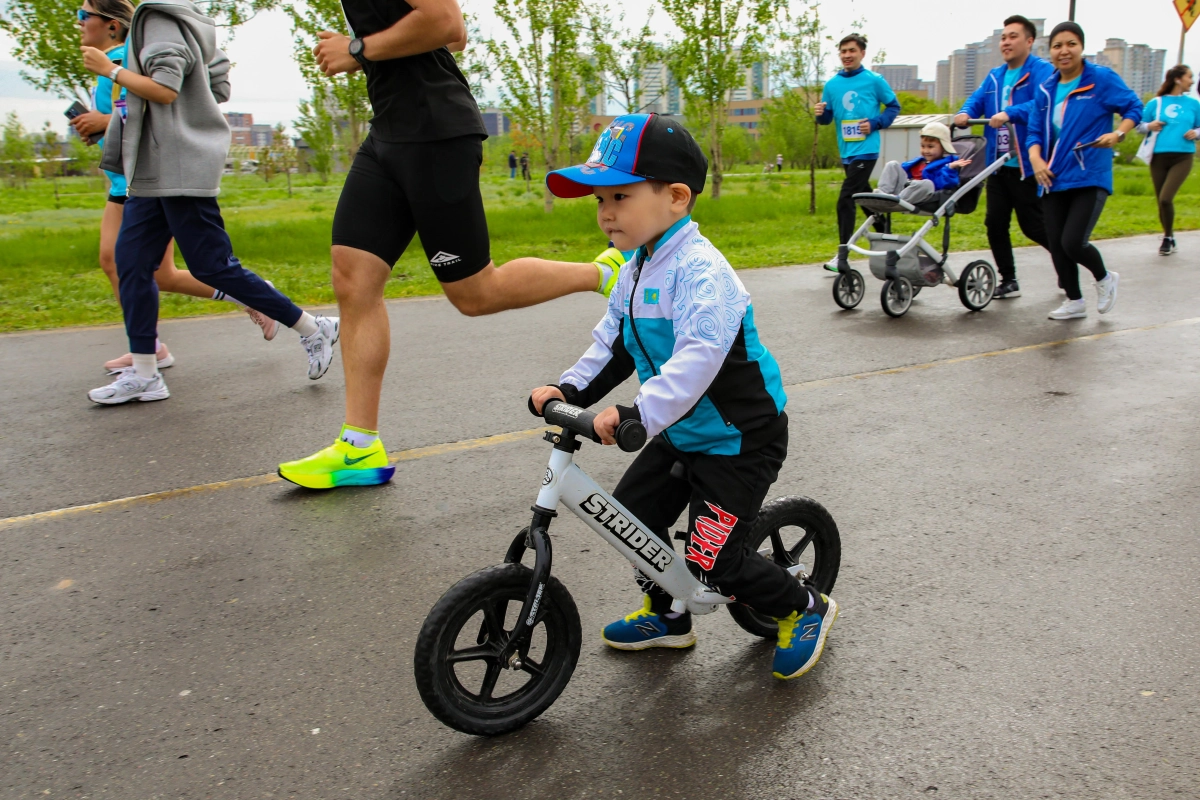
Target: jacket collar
[850,73]
[669,242]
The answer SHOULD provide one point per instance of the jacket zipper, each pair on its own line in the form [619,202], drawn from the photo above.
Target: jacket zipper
[633,328]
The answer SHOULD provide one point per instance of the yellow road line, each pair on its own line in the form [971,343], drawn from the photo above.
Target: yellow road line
[445,448]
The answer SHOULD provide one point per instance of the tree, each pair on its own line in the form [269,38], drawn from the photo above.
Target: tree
[84,158]
[316,128]
[720,39]
[344,96]
[804,50]
[16,151]
[623,57]
[737,145]
[546,82]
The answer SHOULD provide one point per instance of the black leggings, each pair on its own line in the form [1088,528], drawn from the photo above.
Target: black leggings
[1070,217]
[1169,171]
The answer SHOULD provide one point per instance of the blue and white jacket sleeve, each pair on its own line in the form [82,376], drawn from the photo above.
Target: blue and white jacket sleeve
[606,363]
[708,305]
[973,107]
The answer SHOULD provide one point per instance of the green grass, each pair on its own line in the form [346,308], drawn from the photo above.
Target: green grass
[49,276]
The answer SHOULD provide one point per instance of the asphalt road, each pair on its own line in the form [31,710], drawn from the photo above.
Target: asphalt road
[1018,584]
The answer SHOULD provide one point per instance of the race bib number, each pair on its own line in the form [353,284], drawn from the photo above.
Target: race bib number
[851,132]
[1002,143]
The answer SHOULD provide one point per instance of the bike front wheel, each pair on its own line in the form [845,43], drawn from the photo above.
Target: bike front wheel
[790,531]
[460,675]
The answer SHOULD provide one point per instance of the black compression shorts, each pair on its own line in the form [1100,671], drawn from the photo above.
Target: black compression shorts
[396,189]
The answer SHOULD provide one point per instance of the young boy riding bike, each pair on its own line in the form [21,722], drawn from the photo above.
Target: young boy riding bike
[711,397]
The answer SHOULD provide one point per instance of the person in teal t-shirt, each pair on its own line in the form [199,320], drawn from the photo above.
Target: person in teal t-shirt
[1173,119]
[860,104]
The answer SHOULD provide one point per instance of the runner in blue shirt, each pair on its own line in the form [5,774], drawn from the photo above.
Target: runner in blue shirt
[1006,95]
[1173,119]
[860,103]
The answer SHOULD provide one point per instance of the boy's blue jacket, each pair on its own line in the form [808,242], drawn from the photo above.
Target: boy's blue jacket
[684,321]
[1087,116]
[984,103]
[937,171]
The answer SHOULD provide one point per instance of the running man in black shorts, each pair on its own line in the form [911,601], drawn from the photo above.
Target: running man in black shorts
[416,173]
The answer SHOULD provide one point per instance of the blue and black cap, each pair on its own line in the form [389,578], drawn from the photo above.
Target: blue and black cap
[634,148]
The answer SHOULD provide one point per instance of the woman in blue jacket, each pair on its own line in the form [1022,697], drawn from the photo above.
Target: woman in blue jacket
[1071,139]
[1173,119]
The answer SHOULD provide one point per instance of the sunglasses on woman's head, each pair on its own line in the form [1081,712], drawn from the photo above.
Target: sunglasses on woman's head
[84,16]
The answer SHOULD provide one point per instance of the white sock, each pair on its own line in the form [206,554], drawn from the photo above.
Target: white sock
[306,325]
[358,437]
[219,295]
[145,364]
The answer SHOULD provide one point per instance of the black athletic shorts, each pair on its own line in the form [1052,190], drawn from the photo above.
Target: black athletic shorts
[396,189]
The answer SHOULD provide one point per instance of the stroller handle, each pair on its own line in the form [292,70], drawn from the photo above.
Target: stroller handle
[1012,134]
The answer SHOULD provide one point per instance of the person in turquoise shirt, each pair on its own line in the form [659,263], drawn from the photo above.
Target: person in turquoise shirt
[104,25]
[860,104]
[1173,119]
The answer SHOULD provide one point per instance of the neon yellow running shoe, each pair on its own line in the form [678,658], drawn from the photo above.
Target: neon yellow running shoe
[340,464]
[609,263]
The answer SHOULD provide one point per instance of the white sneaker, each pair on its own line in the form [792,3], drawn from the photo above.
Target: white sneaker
[1070,309]
[1106,292]
[320,346]
[832,264]
[269,326]
[128,386]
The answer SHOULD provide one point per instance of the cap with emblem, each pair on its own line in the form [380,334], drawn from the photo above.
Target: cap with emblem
[635,148]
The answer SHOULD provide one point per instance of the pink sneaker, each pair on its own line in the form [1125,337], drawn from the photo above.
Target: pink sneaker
[165,359]
[269,326]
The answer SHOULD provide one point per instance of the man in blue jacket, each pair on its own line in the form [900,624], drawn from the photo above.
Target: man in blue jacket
[860,103]
[1006,95]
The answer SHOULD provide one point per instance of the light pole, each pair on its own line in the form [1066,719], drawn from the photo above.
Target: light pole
[1071,13]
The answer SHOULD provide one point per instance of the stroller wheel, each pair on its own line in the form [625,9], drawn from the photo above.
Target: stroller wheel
[976,285]
[849,288]
[896,296]
[917,289]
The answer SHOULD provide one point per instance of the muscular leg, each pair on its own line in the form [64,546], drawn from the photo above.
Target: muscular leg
[519,283]
[358,282]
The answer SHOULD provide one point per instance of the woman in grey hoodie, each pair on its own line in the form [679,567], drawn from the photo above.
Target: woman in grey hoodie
[171,149]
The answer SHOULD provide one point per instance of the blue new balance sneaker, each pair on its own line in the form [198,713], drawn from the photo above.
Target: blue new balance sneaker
[802,638]
[644,628]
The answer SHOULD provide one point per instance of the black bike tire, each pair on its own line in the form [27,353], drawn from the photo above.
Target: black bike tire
[827,544]
[434,677]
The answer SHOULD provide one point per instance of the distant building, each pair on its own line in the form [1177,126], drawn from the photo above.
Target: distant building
[755,84]
[1141,67]
[961,74]
[659,92]
[236,119]
[495,121]
[243,132]
[901,77]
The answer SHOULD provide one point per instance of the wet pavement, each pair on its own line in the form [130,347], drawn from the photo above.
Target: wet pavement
[1018,582]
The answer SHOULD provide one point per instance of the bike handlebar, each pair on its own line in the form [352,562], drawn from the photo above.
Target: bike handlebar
[630,436]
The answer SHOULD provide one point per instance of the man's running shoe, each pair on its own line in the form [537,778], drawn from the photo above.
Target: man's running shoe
[340,464]
[1070,309]
[1167,247]
[320,346]
[609,263]
[1106,292]
[643,629]
[802,638]
[128,386]
[165,359]
[831,264]
[1008,289]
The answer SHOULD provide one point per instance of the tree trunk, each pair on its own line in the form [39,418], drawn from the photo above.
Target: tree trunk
[715,145]
[812,169]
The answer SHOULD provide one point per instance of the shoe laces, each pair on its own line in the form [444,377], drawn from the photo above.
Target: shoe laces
[787,628]
[644,611]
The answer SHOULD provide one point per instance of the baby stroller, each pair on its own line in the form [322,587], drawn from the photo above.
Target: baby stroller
[907,264]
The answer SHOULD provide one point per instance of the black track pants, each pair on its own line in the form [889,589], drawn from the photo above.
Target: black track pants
[1070,217]
[722,495]
[1169,171]
[858,180]
[1008,192]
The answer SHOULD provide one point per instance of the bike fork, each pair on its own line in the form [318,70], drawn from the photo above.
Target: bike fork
[537,538]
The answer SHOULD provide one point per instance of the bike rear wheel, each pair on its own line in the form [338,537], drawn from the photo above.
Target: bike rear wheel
[804,532]
[460,675]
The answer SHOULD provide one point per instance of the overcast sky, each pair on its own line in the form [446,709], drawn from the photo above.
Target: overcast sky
[267,84]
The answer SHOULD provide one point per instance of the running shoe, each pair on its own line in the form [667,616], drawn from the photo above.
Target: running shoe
[644,629]
[609,263]
[319,346]
[1070,309]
[269,326]
[832,264]
[1106,292]
[128,386]
[1008,289]
[802,638]
[165,359]
[1167,247]
[340,464]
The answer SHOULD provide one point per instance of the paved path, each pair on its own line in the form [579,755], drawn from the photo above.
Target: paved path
[1018,583]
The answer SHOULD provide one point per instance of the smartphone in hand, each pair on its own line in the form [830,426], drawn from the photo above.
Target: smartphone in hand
[74,111]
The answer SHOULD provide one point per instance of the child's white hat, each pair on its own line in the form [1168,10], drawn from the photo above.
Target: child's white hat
[937,130]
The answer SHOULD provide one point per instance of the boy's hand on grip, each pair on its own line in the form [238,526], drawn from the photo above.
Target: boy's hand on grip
[606,425]
[540,395]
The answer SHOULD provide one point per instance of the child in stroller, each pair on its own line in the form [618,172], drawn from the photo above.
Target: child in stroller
[921,179]
[906,264]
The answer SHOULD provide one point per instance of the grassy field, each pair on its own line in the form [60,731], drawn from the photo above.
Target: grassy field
[49,276]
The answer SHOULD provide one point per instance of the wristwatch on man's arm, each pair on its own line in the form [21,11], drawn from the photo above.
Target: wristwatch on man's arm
[356,50]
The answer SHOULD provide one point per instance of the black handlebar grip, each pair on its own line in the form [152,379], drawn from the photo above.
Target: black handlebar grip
[631,435]
[565,415]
